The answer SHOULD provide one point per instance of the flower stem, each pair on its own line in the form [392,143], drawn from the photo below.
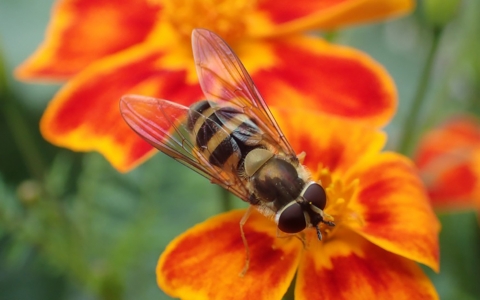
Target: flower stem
[473,105]
[19,127]
[290,294]
[411,125]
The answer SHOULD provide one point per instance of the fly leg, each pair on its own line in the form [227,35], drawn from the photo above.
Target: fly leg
[245,243]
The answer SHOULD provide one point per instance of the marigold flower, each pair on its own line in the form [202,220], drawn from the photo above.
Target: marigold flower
[449,161]
[106,49]
[384,226]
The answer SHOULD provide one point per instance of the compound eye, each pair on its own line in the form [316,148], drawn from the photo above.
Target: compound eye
[292,219]
[316,195]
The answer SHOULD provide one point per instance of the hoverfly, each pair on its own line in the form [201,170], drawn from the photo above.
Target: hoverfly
[232,139]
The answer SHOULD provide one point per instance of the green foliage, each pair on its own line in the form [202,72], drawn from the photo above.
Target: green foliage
[106,230]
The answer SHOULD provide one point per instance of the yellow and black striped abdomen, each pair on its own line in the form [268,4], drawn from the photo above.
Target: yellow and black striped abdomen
[223,134]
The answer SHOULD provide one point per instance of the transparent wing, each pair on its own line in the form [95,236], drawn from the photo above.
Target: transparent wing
[223,78]
[163,124]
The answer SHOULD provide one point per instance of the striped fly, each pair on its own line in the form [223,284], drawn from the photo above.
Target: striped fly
[232,139]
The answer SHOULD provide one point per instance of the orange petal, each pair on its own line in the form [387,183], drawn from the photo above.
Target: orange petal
[329,141]
[445,159]
[476,194]
[348,267]
[459,133]
[392,205]
[331,14]
[393,208]
[82,31]
[310,73]
[451,184]
[85,116]
[205,261]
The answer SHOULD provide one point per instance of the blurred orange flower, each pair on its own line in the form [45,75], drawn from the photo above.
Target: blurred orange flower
[105,49]
[384,226]
[449,161]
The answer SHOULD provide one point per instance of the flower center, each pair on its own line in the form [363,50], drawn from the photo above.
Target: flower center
[226,18]
[339,195]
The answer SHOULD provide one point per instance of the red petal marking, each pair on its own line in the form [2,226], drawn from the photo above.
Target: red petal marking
[85,115]
[205,262]
[330,14]
[445,158]
[329,141]
[312,74]
[452,188]
[348,267]
[393,208]
[82,31]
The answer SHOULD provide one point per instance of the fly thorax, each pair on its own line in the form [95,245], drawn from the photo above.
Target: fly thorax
[277,181]
[255,159]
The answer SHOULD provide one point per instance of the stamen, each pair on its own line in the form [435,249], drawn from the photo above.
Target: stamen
[226,18]
[339,195]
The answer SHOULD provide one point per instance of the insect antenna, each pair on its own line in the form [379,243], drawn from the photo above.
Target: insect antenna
[319,233]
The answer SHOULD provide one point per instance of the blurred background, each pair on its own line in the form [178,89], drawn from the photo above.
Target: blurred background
[99,233]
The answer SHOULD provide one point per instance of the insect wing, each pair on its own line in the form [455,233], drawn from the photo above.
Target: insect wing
[163,125]
[223,77]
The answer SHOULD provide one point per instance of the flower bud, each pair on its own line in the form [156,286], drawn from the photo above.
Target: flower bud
[439,12]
